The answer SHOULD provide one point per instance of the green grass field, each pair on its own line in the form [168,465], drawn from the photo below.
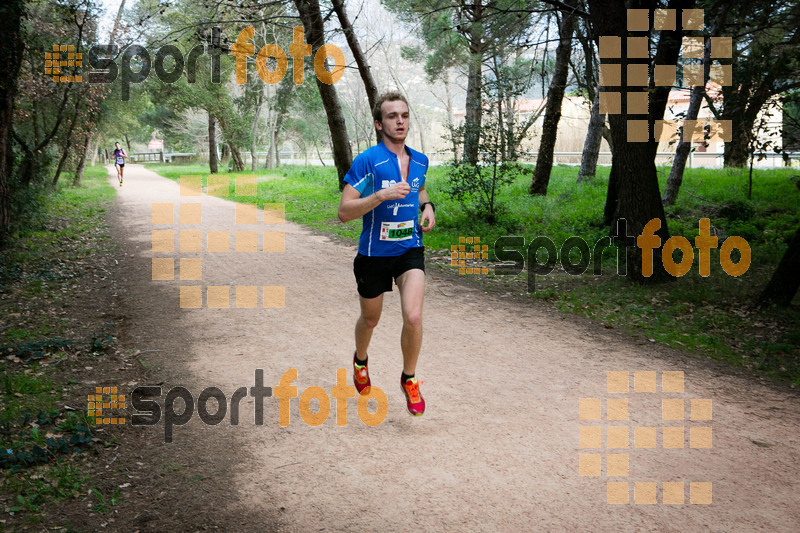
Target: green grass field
[712,315]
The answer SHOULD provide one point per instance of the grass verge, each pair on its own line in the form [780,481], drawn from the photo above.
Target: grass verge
[48,274]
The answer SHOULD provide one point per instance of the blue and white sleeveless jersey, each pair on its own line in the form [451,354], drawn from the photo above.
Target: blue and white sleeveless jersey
[393,227]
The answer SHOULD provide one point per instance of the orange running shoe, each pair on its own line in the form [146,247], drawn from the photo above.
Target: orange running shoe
[360,377]
[414,401]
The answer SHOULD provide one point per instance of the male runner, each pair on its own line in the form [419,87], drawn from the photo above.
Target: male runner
[119,161]
[386,187]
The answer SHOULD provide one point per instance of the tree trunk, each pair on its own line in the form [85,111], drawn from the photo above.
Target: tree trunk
[67,148]
[736,151]
[62,160]
[253,158]
[695,101]
[555,97]
[633,185]
[254,132]
[87,145]
[742,115]
[509,122]
[474,110]
[11,47]
[638,198]
[667,53]
[32,163]
[275,132]
[613,23]
[128,143]
[676,172]
[474,101]
[612,198]
[361,60]
[742,102]
[284,97]
[230,148]
[115,28]
[607,137]
[502,136]
[237,163]
[315,34]
[591,146]
[212,144]
[685,146]
[95,152]
[319,155]
[784,283]
[270,161]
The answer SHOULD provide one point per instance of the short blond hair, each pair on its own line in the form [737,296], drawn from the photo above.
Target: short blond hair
[391,96]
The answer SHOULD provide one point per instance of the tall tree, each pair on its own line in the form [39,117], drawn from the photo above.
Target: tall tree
[311,17]
[667,53]
[361,59]
[555,96]
[591,145]
[697,93]
[212,143]
[11,46]
[68,139]
[588,85]
[635,196]
[82,155]
[766,62]
[44,106]
[474,14]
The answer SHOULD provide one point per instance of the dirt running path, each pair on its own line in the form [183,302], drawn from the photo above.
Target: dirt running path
[498,446]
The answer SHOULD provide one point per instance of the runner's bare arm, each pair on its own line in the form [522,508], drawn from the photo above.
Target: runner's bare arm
[352,205]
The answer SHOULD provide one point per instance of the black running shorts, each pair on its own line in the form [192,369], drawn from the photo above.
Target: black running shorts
[374,274]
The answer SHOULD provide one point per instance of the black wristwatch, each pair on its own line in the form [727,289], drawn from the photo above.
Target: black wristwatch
[422,206]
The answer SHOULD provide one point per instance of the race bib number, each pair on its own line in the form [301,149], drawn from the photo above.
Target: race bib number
[397,231]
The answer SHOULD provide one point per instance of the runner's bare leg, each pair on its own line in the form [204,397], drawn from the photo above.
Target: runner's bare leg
[412,292]
[370,315]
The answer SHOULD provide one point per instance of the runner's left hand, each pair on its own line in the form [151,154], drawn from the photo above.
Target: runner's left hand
[429,217]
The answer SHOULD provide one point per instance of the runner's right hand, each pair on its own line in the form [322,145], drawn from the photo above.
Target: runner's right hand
[396,191]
